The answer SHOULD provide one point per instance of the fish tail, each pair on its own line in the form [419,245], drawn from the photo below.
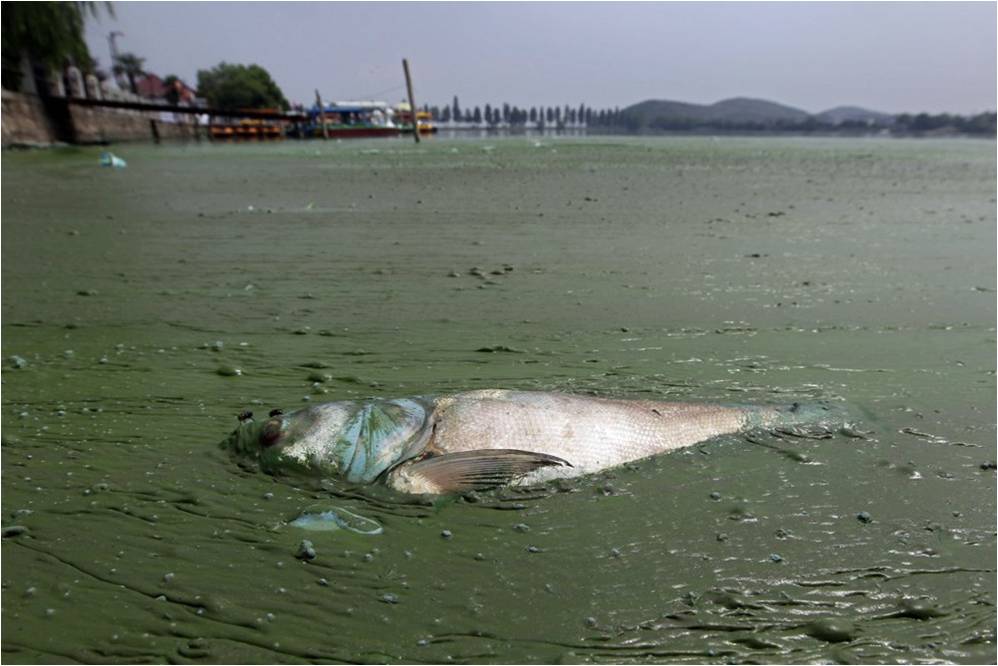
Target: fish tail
[820,414]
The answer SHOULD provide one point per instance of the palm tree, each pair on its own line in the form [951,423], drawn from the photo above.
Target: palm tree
[129,65]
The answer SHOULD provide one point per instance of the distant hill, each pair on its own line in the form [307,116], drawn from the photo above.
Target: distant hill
[739,113]
[735,111]
[842,114]
[748,110]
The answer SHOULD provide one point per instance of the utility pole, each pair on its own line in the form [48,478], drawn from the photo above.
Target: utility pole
[412,100]
[322,114]
[113,44]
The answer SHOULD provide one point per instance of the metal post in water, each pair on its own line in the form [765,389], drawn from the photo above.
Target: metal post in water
[322,114]
[412,100]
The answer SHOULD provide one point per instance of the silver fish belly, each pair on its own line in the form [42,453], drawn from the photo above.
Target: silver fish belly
[484,439]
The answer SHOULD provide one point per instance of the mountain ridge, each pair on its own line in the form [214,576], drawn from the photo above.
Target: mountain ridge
[740,111]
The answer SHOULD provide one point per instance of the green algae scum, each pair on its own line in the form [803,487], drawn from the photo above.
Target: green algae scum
[145,308]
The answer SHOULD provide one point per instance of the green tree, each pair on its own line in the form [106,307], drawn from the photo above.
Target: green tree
[48,34]
[172,83]
[982,123]
[477,116]
[228,86]
[456,110]
[923,122]
[130,66]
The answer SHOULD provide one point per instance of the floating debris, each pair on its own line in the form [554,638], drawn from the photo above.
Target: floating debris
[306,551]
[329,519]
[500,349]
[831,631]
[111,160]
[919,610]
[14,531]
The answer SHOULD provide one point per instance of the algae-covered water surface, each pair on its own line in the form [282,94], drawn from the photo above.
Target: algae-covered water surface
[144,308]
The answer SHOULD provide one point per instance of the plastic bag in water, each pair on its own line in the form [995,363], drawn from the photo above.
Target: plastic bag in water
[325,518]
[111,160]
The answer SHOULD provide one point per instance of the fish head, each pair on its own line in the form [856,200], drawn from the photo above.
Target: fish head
[353,440]
[306,440]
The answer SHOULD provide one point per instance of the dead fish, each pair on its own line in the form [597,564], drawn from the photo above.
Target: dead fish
[485,439]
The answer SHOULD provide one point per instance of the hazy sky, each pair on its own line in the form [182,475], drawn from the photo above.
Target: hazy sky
[890,57]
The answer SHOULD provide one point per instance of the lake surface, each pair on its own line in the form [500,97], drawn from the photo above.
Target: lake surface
[147,307]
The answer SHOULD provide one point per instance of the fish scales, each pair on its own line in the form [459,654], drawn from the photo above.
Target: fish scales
[591,433]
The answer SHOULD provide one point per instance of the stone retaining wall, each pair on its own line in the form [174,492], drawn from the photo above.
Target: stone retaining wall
[25,122]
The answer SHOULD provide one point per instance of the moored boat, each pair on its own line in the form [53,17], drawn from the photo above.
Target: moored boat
[424,119]
[351,119]
[248,128]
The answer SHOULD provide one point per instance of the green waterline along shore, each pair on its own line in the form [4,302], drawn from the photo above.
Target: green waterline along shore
[144,308]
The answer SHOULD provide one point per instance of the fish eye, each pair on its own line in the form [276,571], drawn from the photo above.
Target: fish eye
[270,433]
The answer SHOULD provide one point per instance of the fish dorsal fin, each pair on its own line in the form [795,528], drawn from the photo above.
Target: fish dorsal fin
[468,470]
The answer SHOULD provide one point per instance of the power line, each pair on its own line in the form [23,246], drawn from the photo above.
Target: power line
[382,92]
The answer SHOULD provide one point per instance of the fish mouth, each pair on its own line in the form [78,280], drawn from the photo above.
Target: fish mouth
[253,438]
[243,439]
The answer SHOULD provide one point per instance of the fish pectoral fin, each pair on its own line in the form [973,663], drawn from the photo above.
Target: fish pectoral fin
[468,470]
